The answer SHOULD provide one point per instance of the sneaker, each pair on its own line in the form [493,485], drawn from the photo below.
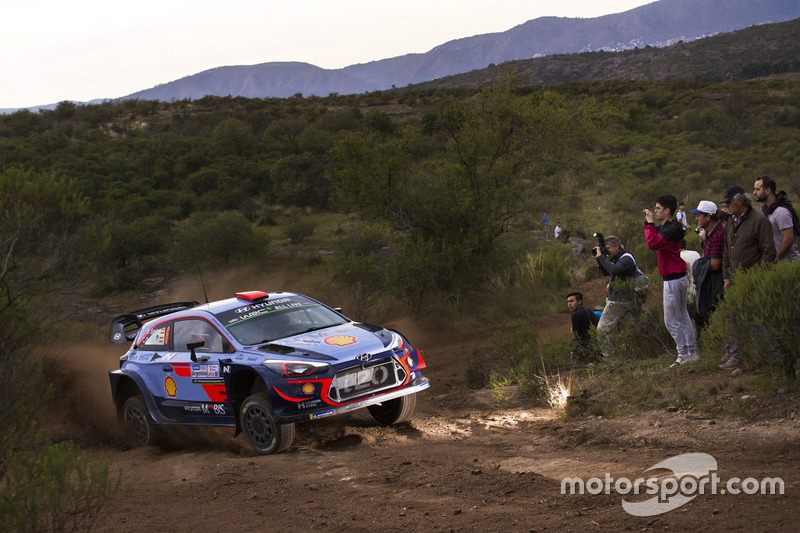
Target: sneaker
[731,364]
[691,358]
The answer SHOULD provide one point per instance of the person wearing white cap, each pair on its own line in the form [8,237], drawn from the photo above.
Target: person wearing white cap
[707,271]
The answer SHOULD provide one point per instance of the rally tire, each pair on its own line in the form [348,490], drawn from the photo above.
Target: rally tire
[137,420]
[260,427]
[394,411]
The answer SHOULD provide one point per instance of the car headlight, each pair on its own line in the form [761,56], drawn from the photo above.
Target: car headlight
[295,369]
[398,344]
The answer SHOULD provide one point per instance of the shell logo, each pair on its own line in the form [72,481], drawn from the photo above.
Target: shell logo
[308,388]
[340,340]
[170,386]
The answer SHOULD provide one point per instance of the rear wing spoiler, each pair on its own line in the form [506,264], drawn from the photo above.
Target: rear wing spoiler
[125,327]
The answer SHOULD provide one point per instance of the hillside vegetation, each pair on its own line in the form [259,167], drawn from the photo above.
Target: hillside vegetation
[449,180]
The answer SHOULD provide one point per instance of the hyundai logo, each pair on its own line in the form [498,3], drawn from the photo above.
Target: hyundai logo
[364,357]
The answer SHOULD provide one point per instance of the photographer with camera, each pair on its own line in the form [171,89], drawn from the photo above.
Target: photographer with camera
[614,261]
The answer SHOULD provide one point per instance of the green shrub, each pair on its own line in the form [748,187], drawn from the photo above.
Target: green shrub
[759,318]
[299,231]
[641,333]
[363,280]
[525,359]
[474,375]
[208,239]
[53,487]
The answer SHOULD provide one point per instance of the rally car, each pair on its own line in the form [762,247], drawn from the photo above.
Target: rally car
[258,362]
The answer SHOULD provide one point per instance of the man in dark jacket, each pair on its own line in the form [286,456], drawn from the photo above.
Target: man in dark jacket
[665,240]
[748,235]
[748,241]
[621,266]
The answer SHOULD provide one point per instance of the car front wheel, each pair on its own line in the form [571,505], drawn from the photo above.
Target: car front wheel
[137,419]
[394,411]
[260,427]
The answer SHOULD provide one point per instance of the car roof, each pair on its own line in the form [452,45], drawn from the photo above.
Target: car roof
[241,299]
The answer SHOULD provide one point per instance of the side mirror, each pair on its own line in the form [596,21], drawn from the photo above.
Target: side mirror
[192,346]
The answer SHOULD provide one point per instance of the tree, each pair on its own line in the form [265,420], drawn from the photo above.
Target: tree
[467,195]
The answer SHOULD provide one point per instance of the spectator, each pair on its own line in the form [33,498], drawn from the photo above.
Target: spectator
[748,235]
[748,241]
[564,234]
[680,216]
[546,222]
[707,271]
[614,261]
[782,216]
[665,240]
[557,231]
[583,319]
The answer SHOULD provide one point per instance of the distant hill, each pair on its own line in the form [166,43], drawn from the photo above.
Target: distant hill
[758,51]
[658,24]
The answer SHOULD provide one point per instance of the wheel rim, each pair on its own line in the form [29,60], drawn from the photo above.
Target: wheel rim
[259,426]
[138,423]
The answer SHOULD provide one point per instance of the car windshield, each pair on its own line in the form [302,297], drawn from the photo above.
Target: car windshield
[277,319]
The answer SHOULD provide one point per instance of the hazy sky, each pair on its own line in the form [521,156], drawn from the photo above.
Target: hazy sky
[54,50]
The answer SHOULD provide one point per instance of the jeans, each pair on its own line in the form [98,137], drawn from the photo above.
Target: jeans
[676,316]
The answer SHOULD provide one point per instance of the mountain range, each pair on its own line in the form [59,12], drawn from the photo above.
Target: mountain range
[658,24]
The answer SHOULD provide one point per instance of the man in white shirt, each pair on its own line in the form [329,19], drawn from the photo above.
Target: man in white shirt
[680,216]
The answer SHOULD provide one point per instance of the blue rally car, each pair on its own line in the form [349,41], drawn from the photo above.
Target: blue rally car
[258,362]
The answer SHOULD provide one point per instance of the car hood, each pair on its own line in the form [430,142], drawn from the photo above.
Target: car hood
[341,343]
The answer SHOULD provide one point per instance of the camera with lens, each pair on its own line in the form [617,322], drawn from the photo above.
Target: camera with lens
[601,243]
[698,230]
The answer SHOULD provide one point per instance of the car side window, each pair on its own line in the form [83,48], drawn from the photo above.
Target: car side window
[157,339]
[196,330]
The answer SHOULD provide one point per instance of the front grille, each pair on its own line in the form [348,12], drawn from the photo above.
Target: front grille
[365,380]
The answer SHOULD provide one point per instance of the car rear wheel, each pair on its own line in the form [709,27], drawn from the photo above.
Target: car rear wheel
[260,427]
[394,411]
[137,419]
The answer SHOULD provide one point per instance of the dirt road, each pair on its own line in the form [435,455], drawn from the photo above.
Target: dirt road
[462,464]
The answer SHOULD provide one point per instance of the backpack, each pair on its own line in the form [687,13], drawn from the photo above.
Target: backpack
[640,281]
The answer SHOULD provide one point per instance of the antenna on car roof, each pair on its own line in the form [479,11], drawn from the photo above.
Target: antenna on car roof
[203,283]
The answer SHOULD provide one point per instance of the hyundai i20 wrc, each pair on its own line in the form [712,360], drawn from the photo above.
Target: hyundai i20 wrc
[258,363]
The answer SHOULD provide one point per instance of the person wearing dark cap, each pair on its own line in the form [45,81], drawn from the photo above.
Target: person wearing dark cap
[707,271]
[748,237]
[748,241]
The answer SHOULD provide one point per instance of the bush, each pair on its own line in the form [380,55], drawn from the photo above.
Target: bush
[525,359]
[207,239]
[641,334]
[759,318]
[53,488]
[299,231]
[362,278]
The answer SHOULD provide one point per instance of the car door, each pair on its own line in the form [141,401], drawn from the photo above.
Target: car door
[193,384]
